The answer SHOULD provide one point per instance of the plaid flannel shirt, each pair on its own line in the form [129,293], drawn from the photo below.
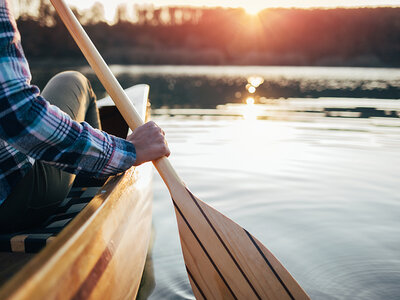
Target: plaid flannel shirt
[32,129]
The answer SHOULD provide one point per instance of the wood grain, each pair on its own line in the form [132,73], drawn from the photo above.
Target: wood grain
[11,263]
[244,269]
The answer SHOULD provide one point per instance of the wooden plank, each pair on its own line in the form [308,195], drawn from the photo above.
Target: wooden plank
[18,243]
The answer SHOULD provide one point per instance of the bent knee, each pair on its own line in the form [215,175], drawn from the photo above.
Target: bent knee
[72,83]
[71,77]
[71,92]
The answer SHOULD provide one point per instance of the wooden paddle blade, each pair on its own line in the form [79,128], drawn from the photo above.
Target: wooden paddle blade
[224,261]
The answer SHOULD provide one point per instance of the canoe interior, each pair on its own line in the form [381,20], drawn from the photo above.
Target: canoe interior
[102,252]
[11,263]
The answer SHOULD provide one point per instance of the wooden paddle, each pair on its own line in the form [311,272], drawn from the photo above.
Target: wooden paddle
[222,259]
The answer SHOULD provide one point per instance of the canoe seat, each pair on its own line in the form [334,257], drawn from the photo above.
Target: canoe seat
[33,240]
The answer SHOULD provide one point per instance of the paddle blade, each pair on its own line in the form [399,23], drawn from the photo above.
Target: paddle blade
[224,261]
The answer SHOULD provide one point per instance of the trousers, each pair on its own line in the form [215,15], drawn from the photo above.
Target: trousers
[44,187]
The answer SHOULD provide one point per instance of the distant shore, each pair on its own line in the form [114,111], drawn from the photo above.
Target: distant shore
[357,37]
[172,58]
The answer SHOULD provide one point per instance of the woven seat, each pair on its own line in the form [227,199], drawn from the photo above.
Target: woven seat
[33,240]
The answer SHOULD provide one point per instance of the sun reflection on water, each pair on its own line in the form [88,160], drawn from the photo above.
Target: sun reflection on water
[253,83]
[250,111]
[250,101]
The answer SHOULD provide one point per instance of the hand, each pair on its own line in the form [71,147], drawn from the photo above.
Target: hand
[149,141]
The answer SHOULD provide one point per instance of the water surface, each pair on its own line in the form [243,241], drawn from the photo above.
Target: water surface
[320,192]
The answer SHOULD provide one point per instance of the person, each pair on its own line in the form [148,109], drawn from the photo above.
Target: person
[47,138]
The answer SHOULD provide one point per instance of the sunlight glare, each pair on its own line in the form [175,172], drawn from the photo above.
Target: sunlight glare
[250,88]
[250,111]
[253,9]
[255,81]
[250,101]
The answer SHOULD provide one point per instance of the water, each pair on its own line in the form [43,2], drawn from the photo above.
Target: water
[320,193]
[314,179]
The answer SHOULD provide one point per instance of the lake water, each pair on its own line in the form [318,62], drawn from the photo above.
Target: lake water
[315,180]
[322,195]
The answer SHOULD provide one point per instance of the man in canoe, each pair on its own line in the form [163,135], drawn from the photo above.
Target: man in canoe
[46,138]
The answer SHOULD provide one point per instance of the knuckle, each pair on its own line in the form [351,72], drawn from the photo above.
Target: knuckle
[155,133]
[148,124]
[167,151]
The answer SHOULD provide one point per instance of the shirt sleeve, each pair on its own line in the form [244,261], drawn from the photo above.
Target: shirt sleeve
[40,130]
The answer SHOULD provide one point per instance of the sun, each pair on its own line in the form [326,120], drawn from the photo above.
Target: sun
[253,9]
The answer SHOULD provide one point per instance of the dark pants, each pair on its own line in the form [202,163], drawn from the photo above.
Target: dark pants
[39,193]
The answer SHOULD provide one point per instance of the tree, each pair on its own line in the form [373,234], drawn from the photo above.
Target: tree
[94,15]
[121,14]
[46,14]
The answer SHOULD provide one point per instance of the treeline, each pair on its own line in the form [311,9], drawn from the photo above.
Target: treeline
[222,36]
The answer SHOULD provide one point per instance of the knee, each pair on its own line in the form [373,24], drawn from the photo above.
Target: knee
[71,92]
[73,83]
[71,77]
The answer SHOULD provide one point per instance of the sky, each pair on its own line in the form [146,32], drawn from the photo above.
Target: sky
[252,6]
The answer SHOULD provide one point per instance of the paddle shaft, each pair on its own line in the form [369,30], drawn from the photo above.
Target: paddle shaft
[112,86]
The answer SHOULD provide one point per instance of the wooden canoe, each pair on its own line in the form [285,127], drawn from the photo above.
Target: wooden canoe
[101,253]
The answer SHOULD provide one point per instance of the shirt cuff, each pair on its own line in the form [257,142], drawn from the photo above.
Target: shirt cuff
[122,158]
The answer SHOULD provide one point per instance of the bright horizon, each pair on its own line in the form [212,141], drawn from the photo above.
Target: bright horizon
[251,6]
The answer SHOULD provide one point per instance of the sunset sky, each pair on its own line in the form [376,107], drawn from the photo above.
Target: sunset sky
[251,6]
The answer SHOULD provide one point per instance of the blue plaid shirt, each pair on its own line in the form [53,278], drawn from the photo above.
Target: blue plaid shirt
[32,129]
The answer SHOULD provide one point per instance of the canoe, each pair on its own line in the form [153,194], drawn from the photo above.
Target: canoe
[101,253]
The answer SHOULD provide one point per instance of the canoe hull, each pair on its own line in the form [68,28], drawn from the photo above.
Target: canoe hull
[100,254]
